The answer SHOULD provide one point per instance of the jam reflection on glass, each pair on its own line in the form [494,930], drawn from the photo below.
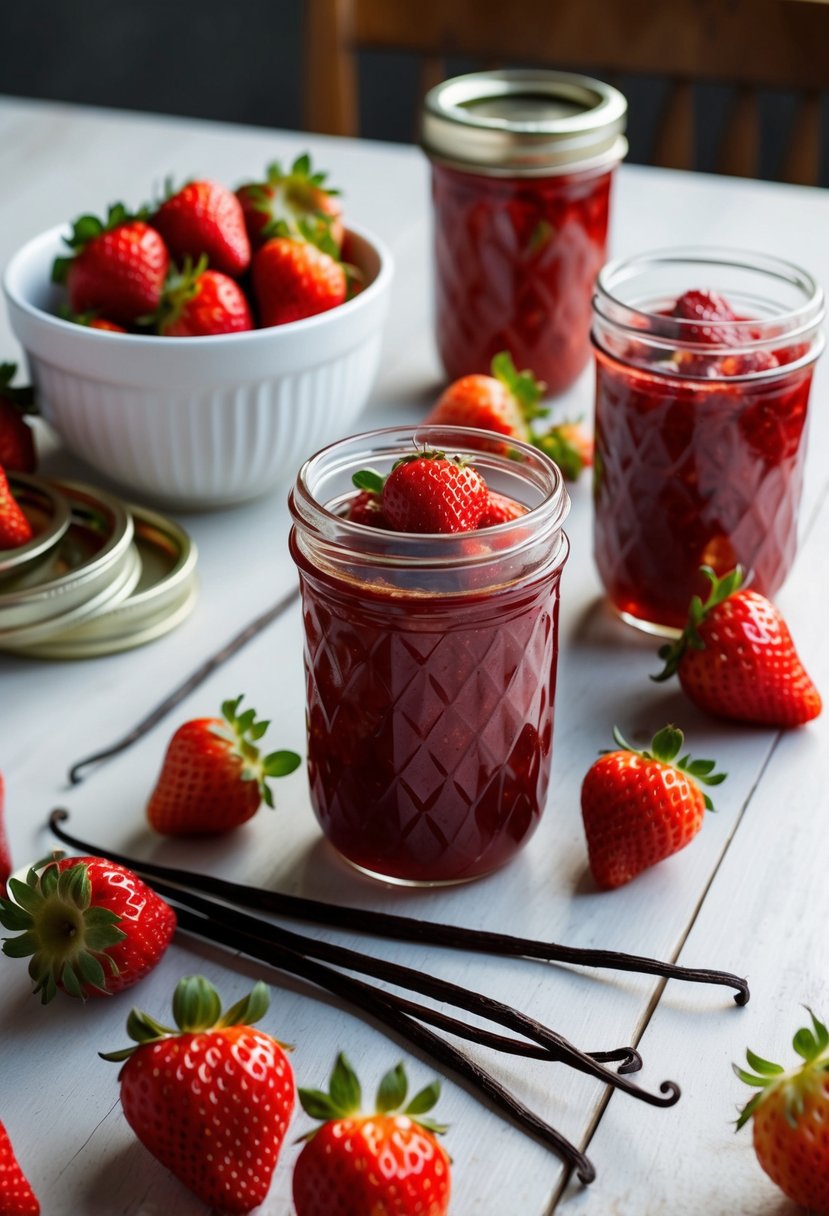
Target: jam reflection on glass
[516,262]
[699,461]
[430,720]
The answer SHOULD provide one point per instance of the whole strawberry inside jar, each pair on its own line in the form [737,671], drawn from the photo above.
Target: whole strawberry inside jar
[522,166]
[704,363]
[430,661]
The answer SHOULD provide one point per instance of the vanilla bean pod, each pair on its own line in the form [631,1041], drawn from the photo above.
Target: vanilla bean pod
[441,1051]
[184,689]
[404,928]
[417,981]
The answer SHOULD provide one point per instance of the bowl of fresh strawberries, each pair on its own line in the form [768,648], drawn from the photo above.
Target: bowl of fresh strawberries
[197,350]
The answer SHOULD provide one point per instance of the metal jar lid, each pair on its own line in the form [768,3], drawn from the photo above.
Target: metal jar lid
[48,512]
[524,122]
[162,598]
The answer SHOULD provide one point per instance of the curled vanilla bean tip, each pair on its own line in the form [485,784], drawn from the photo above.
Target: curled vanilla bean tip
[670,1087]
[633,1063]
[58,815]
[585,1171]
[743,995]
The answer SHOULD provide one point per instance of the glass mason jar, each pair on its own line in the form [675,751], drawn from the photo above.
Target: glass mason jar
[522,163]
[430,662]
[701,423]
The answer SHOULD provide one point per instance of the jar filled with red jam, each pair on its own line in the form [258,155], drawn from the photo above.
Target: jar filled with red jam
[522,164]
[430,662]
[704,362]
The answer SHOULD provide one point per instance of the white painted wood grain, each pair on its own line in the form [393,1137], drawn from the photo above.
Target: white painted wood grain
[52,713]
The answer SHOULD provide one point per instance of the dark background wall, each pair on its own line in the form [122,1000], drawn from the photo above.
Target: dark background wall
[241,61]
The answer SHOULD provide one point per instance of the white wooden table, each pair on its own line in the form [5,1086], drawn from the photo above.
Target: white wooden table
[750,894]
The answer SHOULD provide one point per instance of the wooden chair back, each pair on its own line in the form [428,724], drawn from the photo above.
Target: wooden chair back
[751,45]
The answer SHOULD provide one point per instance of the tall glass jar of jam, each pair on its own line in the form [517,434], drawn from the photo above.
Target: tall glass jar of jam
[704,362]
[430,662]
[522,163]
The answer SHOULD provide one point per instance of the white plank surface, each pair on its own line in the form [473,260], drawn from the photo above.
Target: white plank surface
[56,162]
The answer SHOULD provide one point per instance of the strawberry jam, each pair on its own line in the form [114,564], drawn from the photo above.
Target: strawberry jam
[430,666]
[522,163]
[701,423]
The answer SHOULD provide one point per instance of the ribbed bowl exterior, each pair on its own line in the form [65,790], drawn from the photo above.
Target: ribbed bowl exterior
[205,422]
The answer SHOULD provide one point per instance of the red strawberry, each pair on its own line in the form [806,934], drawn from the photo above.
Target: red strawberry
[118,268]
[205,218]
[367,508]
[16,1196]
[91,926]
[387,1164]
[92,321]
[198,302]
[293,279]
[736,658]
[15,529]
[500,509]
[790,1117]
[704,306]
[505,402]
[296,199]
[213,777]
[429,492]
[107,326]
[640,807]
[5,851]
[17,444]
[569,445]
[211,1100]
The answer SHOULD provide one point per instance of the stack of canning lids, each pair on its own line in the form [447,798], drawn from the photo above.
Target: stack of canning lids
[98,576]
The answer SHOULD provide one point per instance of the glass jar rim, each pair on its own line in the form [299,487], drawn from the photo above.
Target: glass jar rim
[379,547]
[645,322]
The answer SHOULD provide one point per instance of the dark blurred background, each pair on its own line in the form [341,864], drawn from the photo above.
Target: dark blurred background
[242,62]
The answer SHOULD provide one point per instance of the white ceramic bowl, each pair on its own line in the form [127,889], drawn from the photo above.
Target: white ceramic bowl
[199,422]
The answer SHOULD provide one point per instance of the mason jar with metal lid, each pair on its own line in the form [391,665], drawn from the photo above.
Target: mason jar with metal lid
[522,165]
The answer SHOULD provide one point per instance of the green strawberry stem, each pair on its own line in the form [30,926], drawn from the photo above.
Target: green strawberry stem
[64,935]
[812,1045]
[665,747]
[556,444]
[721,589]
[242,731]
[86,228]
[197,1008]
[181,286]
[343,1099]
[524,387]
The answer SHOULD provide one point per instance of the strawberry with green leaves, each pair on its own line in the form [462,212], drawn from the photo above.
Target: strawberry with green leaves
[89,927]
[214,776]
[736,658]
[505,402]
[16,1195]
[17,444]
[204,218]
[428,491]
[640,807]
[117,267]
[210,1098]
[790,1118]
[569,445]
[199,302]
[389,1163]
[15,529]
[292,198]
[293,278]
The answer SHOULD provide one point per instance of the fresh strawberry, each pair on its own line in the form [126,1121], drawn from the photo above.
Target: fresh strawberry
[505,402]
[198,302]
[16,1195]
[428,492]
[213,777]
[5,851]
[790,1117]
[212,1099]
[703,306]
[91,926]
[92,321]
[117,269]
[388,1164]
[736,659]
[108,326]
[500,509]
[569,445]
[293,279]
[295,198]
[17,444]
[205,218]
[639,807]
[15,529]
[367,508]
